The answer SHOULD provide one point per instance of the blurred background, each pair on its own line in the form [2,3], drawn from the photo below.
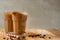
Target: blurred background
[43,14]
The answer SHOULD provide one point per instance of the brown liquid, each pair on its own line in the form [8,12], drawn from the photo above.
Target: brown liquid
[19,22]
[8,22]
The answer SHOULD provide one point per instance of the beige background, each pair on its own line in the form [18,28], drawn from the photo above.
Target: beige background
[42,13]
